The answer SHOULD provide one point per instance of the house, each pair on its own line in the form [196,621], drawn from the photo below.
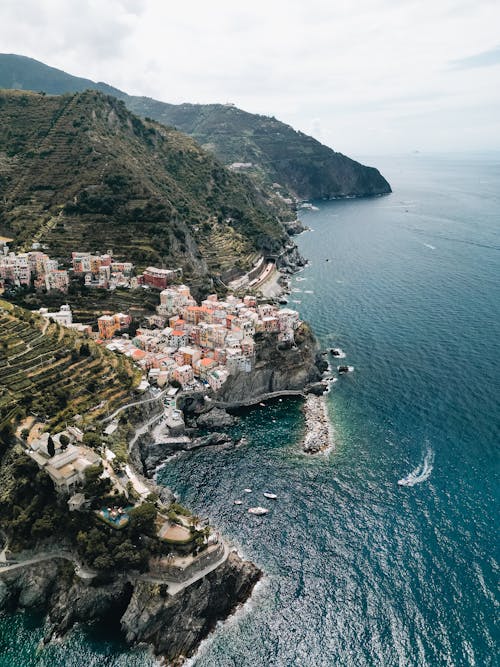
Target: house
[77,502]
[157,278]
[66,468]
[107,326]
[183,375]
[64,316]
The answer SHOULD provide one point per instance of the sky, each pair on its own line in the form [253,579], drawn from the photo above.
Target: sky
[362,76]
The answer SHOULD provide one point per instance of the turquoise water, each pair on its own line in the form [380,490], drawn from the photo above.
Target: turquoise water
[362,571]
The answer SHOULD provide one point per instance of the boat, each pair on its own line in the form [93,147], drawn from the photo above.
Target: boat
[262,405]
[247,490]
[271,496]
[238,502]
[258,510]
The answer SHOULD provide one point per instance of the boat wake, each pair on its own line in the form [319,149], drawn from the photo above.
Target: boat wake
[431,247]
[421,473]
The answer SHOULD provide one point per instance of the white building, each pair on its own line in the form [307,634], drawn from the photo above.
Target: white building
[64,316]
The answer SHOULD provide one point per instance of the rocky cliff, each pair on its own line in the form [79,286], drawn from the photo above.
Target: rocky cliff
[173,625]
[278,368]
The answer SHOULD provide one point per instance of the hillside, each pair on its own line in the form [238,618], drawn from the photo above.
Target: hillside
[300,164]
[50,371]
[81,172]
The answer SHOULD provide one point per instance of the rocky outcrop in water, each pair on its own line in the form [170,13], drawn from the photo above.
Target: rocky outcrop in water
[174,625]
[215,418]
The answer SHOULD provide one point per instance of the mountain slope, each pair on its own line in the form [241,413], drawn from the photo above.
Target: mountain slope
[303,166]
[81,172]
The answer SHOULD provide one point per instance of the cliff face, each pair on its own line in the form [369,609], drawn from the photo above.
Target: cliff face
[176,625]
[278,153]
[173,625]
[277,369]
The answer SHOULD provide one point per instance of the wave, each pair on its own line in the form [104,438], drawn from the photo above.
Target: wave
[421,473]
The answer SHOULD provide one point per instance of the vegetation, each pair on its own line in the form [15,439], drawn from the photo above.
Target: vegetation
[300,164]
[81,172]
[52,372]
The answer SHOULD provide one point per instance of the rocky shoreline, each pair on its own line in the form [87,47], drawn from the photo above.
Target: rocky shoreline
[319,433]
[173,625]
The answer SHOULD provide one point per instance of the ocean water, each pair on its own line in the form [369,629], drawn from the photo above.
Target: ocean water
[361,570]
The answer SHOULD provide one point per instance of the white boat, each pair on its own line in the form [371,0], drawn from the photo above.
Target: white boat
[238,502]
[258,510]
[247,490]
[272,496]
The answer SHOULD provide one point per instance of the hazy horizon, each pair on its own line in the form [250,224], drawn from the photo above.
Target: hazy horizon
[384,79]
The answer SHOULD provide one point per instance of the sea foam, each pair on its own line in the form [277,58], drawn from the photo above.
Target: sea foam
[422,472]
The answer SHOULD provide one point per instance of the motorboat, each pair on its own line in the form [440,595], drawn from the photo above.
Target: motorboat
[247,490]
[271,496]
[258,510]
[238,502]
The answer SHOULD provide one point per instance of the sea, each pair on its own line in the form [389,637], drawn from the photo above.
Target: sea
[384,551]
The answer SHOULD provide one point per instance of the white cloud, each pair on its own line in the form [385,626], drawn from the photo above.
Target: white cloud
[375,75]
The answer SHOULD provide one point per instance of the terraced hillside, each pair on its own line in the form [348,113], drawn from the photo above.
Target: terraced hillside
[299,163]
[52,372]
[81,172]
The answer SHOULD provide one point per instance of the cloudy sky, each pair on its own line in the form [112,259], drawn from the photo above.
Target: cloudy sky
[363,76]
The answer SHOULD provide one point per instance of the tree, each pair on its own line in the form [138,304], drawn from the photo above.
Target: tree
[95,486]
[25,433]
[64,440]
[84,350]
[51,448]
[6,438]
[91,440]
[143,518]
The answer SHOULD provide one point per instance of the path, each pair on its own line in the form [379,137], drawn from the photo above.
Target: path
[80,569]
[131,405]
[144,428]
[177,587]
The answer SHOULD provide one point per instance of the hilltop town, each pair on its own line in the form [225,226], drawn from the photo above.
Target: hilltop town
[95,400]
[192,345]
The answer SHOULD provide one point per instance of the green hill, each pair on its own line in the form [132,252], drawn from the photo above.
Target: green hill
[80,171]
[52,372]
[300,164]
